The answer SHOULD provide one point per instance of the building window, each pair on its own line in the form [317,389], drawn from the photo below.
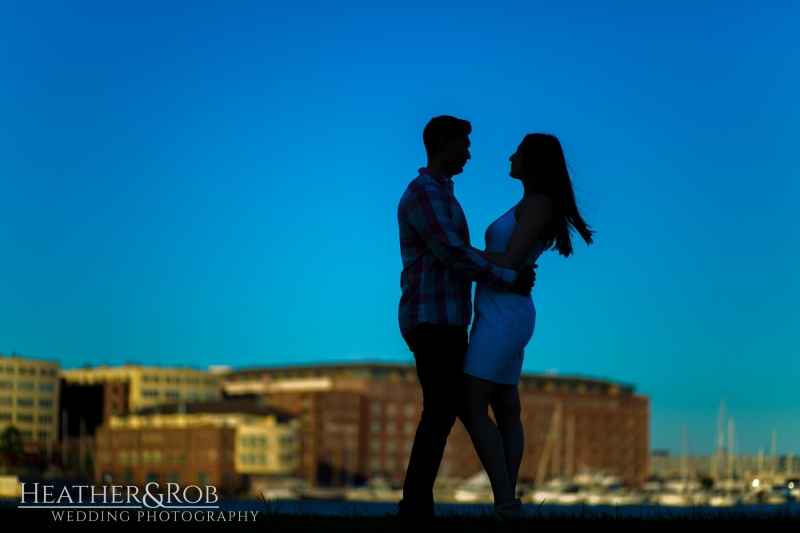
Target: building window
[375,445]
[203,479]
[408,445]
[149,393]
[45,387]
[408,428]
[287,457]
[45,404]
[391,409]
[24,402]
[174,478]
[24,418]
[7,385]
[409,410]
[127,478]
[192,396]
[6,400]
[26,385]
[375,409]
[170,459]
[375,427]
[43,435]
[390,465]
[5,417]
[152,477]
[210,396]
[172,395]
[181,458]
[375,465]
[390,446]
[26,434]
[45,419]
[390,428]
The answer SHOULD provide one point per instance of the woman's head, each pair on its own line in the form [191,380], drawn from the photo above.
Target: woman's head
[539,163]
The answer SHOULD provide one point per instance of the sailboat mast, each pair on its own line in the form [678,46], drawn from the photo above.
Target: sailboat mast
[719,456]
[773,448]
[731,452]
[685,452]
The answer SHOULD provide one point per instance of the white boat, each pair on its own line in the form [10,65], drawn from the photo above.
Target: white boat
[573,495]
[475,489]
[684,493]
[378,489]
[319,493]
[727,493]
[623,496]
[724,498]
[546,494]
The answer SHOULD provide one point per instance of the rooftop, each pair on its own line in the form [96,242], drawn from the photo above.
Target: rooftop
[249,405]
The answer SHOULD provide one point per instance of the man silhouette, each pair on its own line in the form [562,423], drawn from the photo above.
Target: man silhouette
[435,306]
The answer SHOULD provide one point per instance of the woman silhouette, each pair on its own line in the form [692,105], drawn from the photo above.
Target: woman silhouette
[504,321]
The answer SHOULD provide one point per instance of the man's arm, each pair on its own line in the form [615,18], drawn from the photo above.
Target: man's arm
[427,214]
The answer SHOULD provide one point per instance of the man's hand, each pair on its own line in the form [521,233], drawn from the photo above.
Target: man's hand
[524,282]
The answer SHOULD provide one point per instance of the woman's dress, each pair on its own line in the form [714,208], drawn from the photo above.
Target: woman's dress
[504,321]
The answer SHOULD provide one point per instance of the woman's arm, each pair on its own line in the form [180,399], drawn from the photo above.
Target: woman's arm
[533,216]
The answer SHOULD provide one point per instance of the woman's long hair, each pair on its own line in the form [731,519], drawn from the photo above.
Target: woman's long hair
[544,166]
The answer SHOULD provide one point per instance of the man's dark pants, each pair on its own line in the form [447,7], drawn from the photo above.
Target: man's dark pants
[439,353]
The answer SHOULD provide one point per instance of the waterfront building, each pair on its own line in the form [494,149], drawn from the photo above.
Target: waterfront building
[29,390]
[144,386]
[220,443]
[359,420]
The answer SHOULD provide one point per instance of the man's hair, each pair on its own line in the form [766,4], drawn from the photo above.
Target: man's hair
[444,127]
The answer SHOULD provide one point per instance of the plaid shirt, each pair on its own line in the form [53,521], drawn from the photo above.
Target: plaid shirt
[438,265]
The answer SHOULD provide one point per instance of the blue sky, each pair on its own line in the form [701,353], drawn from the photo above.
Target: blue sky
[216,183]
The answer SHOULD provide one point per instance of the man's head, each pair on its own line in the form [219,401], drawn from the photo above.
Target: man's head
[447,143]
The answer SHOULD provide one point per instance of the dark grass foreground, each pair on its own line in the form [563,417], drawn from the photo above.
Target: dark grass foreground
[270,520]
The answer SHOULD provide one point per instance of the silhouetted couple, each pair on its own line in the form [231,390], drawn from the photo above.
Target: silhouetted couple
[460,378]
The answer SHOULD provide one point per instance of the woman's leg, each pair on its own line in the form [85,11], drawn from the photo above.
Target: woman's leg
[486,437]
[506,408]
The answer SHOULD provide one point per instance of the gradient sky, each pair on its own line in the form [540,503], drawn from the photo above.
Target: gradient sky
[197,183]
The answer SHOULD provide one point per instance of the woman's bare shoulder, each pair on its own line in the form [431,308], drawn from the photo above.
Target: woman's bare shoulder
[540,204]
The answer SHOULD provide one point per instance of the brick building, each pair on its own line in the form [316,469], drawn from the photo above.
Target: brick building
[359,420]
[205,443]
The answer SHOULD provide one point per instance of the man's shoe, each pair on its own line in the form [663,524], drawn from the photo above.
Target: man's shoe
[415,513]
[508,511]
